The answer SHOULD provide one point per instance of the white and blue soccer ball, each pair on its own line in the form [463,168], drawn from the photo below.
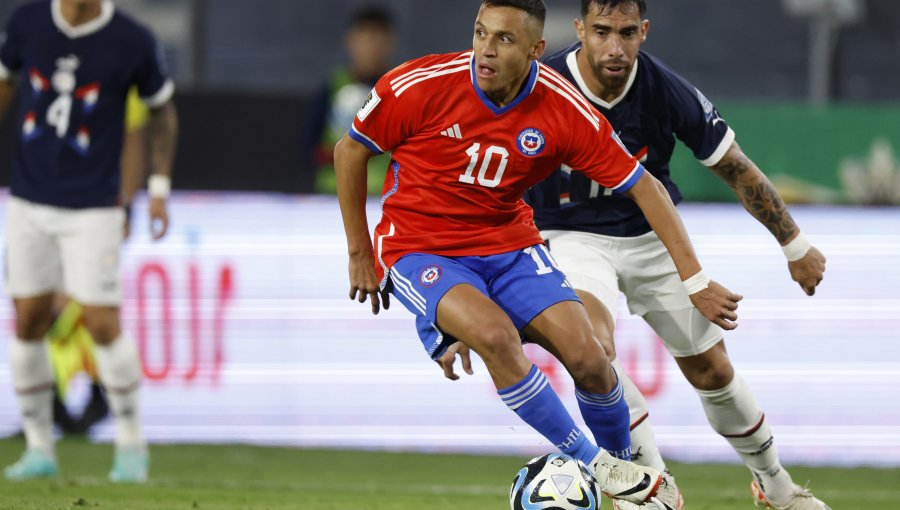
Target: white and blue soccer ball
[554,482]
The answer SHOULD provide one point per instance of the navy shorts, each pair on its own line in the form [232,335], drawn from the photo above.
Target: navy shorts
[523,283]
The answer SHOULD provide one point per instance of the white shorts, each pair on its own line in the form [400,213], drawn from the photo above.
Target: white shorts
[51,249]
[641,268]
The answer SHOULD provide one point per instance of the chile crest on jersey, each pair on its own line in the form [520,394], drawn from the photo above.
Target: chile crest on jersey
[530,141]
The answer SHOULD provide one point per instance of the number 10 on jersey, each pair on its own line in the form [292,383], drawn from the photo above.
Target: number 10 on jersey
[490,155]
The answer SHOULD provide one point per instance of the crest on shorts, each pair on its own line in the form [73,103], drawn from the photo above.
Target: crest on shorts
[530,141]
[430,276]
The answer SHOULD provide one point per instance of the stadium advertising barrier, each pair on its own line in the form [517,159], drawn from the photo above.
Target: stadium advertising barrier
[835,154]
[247,335]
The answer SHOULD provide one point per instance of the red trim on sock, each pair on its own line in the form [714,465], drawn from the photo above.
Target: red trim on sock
[35,389]
[125,389]
[639,421]
[749,432]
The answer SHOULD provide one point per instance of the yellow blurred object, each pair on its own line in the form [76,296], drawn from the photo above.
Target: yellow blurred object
[71,347]
[136,112]
[794,190]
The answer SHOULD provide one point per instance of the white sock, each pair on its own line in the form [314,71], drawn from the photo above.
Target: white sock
[119,368]
[643,442]
[32,378]
[732,411]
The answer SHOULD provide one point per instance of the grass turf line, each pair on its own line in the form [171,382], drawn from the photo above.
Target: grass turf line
[234,477]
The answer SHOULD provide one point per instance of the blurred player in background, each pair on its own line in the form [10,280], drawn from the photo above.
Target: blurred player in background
[369,42]
[469,133]
[71,344]
[605,244]
[73,62]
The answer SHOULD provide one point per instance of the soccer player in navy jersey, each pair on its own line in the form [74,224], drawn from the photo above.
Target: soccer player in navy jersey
[468,133]
[605,244]
[72,63]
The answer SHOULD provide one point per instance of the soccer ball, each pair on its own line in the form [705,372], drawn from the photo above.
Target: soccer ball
[554,482]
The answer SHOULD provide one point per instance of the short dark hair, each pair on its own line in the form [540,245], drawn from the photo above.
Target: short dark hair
[373,16]
[534,8]
[612,4]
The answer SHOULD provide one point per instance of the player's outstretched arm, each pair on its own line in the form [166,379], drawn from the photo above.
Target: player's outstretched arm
[760,198]
[162,133]
[714,301]
[350,167]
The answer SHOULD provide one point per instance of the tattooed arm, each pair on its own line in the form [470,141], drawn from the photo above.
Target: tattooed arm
[760,198]
[162,132]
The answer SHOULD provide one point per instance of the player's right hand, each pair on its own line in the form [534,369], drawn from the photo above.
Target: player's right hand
[159,218]
[809,270]
[718,304]
[449,358]
[364,282]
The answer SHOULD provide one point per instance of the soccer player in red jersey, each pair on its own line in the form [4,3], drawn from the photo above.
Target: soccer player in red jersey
[468,133]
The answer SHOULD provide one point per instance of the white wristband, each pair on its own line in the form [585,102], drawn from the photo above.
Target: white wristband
[796,249]
[696,283]
[159,186]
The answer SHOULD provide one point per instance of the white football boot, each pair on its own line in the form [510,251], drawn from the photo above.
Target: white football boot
[668,491]
[629,482]
[801,499]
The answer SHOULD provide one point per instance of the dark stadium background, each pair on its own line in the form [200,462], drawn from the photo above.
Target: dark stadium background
[254,64]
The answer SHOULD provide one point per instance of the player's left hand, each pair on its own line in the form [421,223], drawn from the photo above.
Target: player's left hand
[809,270]
[364,284]
[449,358]
[159,217]
[718,304]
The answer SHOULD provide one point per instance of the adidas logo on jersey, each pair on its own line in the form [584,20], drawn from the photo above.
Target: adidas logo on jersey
[453,132]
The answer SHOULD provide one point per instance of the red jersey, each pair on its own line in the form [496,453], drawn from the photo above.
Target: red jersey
[460,164]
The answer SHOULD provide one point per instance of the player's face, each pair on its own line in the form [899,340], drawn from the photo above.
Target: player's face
[610,40]
[370,48]
[506,40]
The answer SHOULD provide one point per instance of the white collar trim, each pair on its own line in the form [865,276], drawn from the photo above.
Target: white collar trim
[572,62]
[106,13]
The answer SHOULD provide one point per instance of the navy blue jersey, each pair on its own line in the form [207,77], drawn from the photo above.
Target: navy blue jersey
[72,86]
[657,106]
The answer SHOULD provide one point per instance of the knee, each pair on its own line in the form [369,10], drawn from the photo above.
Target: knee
[102,323]
[602,322]
[589,367]
[603,334]
[497,344]
[712,373]
[33,322]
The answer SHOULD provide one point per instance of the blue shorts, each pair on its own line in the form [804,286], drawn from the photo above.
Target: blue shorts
[523,283]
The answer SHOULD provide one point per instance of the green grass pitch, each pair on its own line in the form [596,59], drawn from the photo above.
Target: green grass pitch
[231,477]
